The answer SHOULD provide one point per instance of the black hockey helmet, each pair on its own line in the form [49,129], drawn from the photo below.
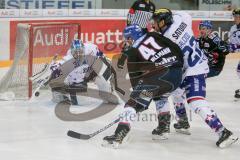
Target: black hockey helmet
[236,12]
[163,14]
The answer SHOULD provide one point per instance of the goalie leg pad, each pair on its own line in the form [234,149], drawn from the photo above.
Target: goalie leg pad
[109,97]
[58,97]
[102,68]
[76,87]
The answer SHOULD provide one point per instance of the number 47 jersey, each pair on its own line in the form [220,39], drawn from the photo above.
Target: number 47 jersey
[154,47]
[180,32]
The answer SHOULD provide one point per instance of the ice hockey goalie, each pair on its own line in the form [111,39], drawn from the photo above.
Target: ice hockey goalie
[78,67]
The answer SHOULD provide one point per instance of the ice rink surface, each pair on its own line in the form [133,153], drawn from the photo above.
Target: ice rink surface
[31,130]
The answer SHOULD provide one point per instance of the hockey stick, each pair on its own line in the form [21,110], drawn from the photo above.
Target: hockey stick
[43,77]
[43,71]
[78,135]
[41,83]
[39,74]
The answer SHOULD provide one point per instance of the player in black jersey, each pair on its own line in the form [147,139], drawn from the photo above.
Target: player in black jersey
[214,48]
[155,68]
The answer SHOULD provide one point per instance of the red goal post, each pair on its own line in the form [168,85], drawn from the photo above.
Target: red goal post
[36,44]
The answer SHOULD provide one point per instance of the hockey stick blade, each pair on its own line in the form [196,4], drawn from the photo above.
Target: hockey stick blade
[77,135]
[40,84]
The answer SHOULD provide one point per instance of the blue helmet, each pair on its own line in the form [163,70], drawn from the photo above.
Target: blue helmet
[77,47]
[133,31]
[207,24]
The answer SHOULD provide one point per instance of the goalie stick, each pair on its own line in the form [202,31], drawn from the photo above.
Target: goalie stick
[43,77]
[40,84]
[78,135]
[46,69]
[39,74]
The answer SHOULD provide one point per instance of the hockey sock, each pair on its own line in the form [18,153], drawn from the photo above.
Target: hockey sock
[128,116]
[162,105]
[180,110]
[178,101]
[202,108]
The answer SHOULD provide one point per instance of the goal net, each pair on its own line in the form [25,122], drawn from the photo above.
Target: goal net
[36,44]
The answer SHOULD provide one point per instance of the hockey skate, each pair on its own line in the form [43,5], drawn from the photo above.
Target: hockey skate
[114,141]
[162,131]
[237,95]
[226,139]
[182,126]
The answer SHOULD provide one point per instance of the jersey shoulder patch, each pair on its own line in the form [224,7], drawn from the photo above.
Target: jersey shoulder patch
[214,36]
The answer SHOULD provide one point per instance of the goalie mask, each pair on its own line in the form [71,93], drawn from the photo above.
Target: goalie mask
[77,49]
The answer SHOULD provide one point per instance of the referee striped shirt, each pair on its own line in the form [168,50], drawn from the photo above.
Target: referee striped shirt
[140,13]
